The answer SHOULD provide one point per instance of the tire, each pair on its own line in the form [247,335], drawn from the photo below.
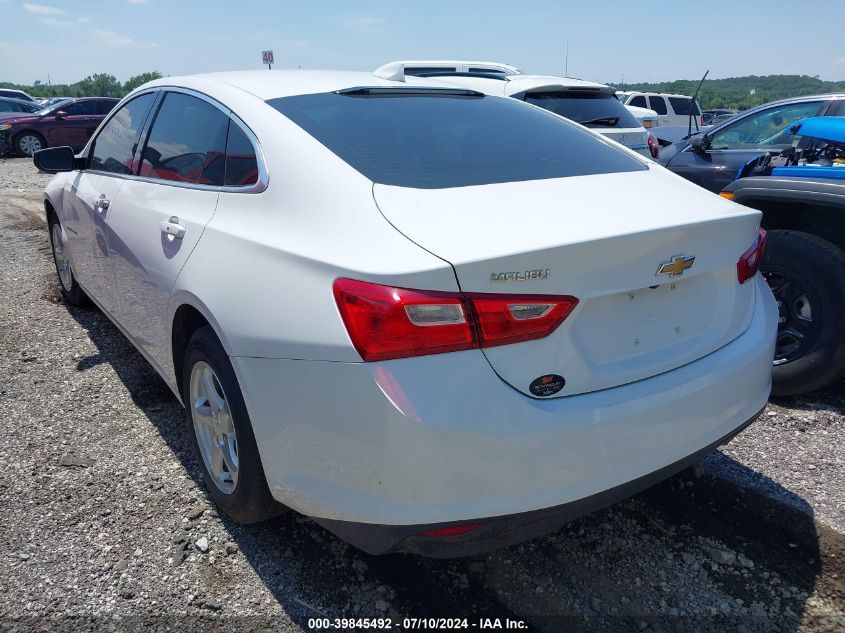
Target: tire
[72,293]
[241,492]
[807,277]
[29,142]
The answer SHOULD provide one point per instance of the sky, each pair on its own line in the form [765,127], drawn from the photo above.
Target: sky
[634,41]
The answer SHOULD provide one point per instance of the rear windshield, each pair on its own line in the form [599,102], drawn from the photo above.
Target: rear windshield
[596,110]
[444,139]
[681,105]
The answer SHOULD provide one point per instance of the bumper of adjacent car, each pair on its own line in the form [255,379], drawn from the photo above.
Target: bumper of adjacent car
[379,452]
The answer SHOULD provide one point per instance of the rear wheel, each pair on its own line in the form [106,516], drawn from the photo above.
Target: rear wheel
[71,291]
[807,277]
[222,432]
[27,143]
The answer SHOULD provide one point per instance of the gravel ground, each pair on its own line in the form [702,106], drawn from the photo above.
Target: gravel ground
[106,523]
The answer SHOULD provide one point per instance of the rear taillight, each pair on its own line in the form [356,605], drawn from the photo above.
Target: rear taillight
[455,530]
[749,262]
[653,146]
[386,322]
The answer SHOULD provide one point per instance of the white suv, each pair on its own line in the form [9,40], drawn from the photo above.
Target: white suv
[591,104]
[672,109]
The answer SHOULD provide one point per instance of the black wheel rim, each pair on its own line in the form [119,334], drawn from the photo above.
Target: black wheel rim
[799,313]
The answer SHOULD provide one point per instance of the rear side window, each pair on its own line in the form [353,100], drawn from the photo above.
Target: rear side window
[681,105]
[115,145]
[187,142]
[434,139]
[104,106]
[241,163]
[638,101]
[658,104]
[592,109]
[421,70]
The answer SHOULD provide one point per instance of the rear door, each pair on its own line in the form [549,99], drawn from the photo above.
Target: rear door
[164,212]
[739,141]
[658,104]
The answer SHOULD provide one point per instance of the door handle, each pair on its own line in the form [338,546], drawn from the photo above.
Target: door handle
[172,228]
[102,203]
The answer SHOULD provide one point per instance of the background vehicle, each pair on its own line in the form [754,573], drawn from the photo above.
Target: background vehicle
[708,116]
[53,101]
[802,196]
[421,67]
[7,105]
[719,119]
[712,158]
[590,104]
[16,94]
[549,353]
[672,109]
[68,123]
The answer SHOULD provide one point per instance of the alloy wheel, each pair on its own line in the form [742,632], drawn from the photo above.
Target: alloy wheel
[214,427]
[30,144]
[62,263]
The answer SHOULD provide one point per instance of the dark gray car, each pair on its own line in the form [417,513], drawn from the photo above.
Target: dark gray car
[711,159]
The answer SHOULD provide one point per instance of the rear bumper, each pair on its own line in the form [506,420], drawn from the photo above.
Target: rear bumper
[498,532]
[442,440]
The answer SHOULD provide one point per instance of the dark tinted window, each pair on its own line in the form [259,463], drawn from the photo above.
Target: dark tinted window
[187,142]
[838,108]
[681,105]
[486,70]
[14,94]
[104,106]
[80,108]
[115,145]
[241,164]
[638,101]
[658,104]
[409,139]
[598,110]
[9,105]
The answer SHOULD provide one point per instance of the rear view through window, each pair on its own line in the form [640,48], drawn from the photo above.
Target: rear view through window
[592,109]
[429,139]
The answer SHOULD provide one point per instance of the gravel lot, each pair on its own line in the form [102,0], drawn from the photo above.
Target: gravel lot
[106,523]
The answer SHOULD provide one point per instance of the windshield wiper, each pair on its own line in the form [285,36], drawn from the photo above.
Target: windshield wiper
[608,121]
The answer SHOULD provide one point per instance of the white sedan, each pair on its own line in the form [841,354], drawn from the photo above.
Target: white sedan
[434,321]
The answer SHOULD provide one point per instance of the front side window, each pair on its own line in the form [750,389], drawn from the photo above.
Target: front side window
[596,110]
[115,145]
[658,104]
[431,139]
[187,142]
[766,129]
[80,108]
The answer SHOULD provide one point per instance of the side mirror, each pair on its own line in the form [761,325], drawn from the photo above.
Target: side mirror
[61,114]
[700,143]
[54,159]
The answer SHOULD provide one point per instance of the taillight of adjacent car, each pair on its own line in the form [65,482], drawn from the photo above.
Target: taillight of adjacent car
[749,261]
[386,322]
[653,146]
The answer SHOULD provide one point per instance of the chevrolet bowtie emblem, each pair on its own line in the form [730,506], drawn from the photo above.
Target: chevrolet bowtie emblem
[675,266]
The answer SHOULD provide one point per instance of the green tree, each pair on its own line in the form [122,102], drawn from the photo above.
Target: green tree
[138,80]
[100,85]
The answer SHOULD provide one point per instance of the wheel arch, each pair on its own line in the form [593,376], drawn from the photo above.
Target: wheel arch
[14,138]
[187,314]
[826,221]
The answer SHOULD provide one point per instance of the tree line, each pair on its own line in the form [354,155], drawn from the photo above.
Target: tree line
[743,92]
[735,92]
[97,85]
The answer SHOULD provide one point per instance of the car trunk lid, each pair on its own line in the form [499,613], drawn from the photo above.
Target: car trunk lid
[603,239]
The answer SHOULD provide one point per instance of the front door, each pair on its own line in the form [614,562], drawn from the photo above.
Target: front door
[73,127]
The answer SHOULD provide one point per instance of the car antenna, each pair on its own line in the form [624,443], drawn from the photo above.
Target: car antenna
[693,102]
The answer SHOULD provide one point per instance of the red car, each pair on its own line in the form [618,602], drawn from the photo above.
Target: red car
[67,123]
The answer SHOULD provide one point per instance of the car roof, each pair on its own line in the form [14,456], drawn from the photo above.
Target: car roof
[272,84]
[657,94]
[511,84]
[13,99]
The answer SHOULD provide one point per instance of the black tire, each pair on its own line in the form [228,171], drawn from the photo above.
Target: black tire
[807,276]
[73,294]
[23,151]
[250,501]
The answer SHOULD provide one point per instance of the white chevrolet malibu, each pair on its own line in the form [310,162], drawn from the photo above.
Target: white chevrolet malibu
[434,321]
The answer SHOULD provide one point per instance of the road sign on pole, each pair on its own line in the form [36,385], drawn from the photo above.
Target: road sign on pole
[267,58]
